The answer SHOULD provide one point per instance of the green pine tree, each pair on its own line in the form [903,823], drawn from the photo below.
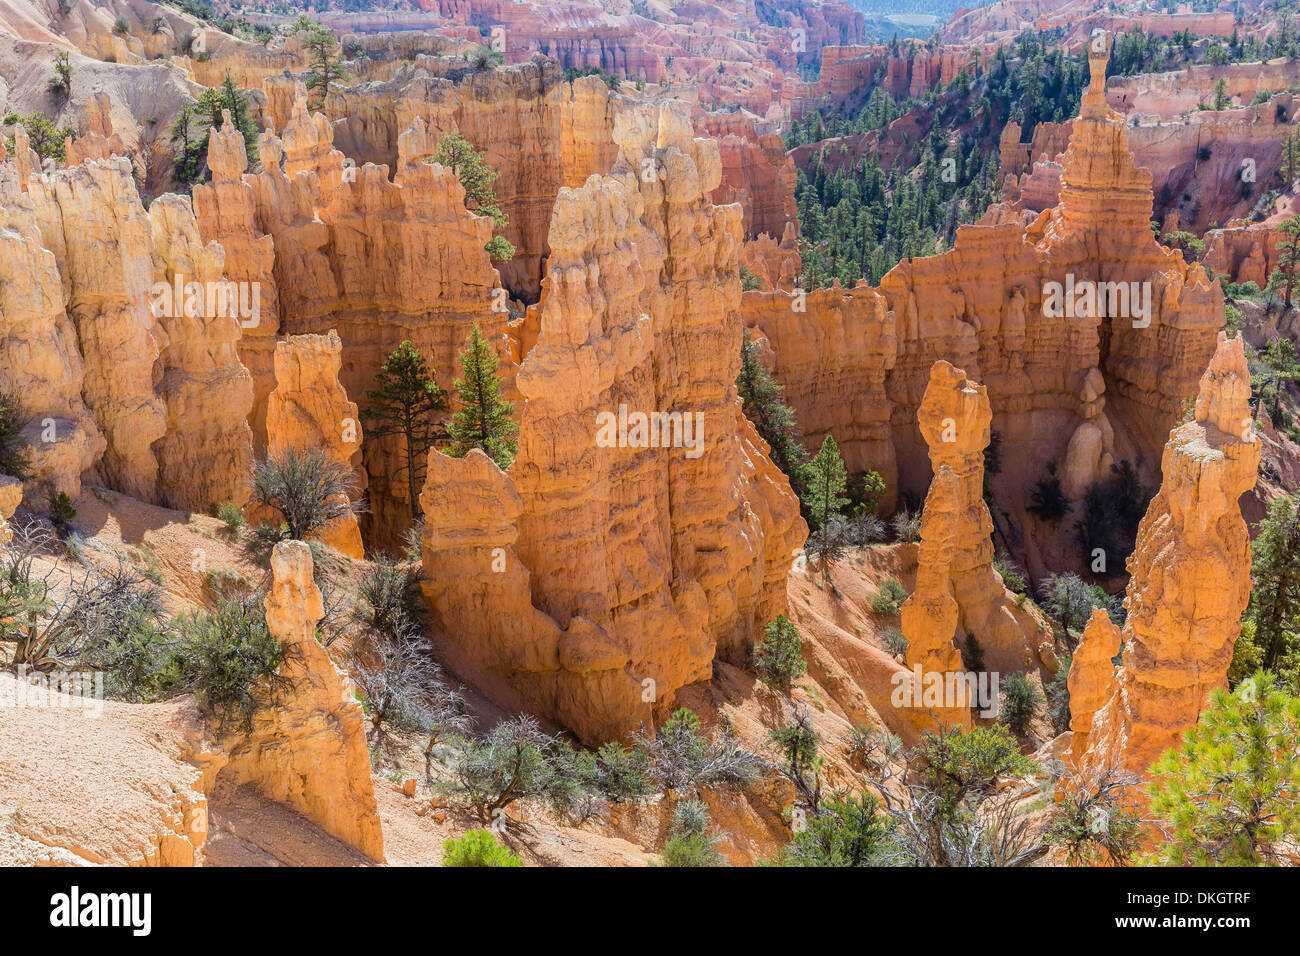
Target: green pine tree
[774,420]
[1228,798]
[482,419]
[407,402]
[824,497]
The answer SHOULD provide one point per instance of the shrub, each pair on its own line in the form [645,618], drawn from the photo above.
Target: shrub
[749,282]
[1112,510]
[846,831]
[865,489]
[121,25]
[624,772]
[229,659]
[231,515]
[1012,576]
[778,658]
[689,841]
[1069,600]
[1058,695]
[1047,500]
[889,597]
[681,756]
[907,525]
[223,581]
[1094,819]
[863,528]
[1020,699]
[395,673]
[894,641]
[15,457]
[972,655]
[61,510]
[477,848]
[308,488]
[385,590]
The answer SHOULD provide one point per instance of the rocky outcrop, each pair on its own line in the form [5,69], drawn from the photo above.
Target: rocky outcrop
[206,455]
[308,751]
[310,409]
[226,210]
[617,570]
[1092,676]
[1189,576]
[756,172]
[958,592]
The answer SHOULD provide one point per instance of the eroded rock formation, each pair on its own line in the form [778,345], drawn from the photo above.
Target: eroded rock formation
[1116,373]
[591,581]
[308,751]
[958,592]
[1189,576]
[1092,676]
[381,261]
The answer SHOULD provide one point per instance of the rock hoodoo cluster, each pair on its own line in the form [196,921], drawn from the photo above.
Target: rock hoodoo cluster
[588,583]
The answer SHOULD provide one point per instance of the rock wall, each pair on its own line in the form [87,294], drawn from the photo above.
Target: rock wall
[1189,576]
[614,575]
[537,133]
[206,454]
[381,261]
[756,172]
[119,379]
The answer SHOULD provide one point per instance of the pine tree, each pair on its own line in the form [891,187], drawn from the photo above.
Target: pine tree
[324,68]
[1275,575]
[1291,158]
[824,498]
[458,154]
[483,420]
[408,402]
[774,420]
[1228,798]
[1285,273]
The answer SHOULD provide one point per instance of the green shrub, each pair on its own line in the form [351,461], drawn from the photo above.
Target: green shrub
[229,660]
[61,510]
[477,848]
[894,641]
[231,515]
[690,843]
[1012,576]
[907,525]
[889,597]
[15,457]
[778,658]
[1019,700]
[972,655]
[846,831]
[623,772]
[307,487]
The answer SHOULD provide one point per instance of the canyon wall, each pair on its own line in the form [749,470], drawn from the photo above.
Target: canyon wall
[1076,392]
[615,573]
[536,132]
